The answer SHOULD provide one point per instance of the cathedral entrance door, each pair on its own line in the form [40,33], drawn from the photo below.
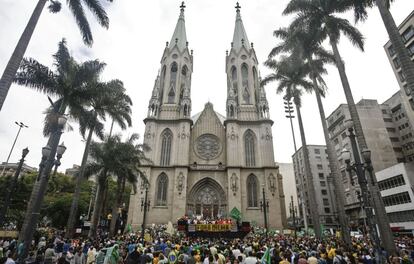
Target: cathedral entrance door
[207,200]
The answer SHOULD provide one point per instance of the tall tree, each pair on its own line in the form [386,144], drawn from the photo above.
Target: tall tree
[322,15]
[133,155]
[307,46]
[290,74]
[67,85]
[403,55]
[77,7]
[110,99]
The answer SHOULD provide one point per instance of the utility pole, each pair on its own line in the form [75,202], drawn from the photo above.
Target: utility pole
[21,125]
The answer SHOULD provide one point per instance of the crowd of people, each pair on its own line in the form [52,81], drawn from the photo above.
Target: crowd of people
[161,247]
[201,220]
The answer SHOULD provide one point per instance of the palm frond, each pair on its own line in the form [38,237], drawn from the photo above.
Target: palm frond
[77,10]
[97,9]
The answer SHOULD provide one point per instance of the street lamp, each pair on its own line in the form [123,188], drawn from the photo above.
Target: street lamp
[11,187]
[39,189]
[145,205]
[264,206]
[360,168]
[59,153]
[21,125]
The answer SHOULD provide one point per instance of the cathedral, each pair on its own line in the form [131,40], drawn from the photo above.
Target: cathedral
[207,164]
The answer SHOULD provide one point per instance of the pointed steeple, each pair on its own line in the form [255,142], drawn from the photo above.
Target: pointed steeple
[239,37]
[179,37]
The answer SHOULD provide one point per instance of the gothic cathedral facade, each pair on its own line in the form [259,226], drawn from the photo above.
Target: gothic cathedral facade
[208,164]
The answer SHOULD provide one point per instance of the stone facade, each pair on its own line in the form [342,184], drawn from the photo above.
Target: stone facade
[209,164]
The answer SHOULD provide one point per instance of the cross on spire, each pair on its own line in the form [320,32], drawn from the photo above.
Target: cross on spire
[182,6]
[237,7]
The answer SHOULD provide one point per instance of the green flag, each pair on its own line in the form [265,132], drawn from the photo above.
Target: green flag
[266,259]
[235,214]
[129,228]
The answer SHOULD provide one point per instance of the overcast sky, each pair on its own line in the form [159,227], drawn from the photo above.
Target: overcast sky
[132,49]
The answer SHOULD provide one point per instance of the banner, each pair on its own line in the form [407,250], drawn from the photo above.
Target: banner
[209,228]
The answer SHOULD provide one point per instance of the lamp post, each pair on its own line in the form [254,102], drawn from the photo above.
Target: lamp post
[293,211]
[145,205]
[39,189]
[264,206]
[59,153]
[360,168]
[11,188]
[21,125]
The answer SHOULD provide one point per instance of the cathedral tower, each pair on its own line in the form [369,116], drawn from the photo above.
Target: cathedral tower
[207,164]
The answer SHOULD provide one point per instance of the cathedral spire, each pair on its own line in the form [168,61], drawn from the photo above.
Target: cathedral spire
[179,37]
[239,37]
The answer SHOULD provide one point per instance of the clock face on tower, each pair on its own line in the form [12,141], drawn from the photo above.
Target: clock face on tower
[207,146]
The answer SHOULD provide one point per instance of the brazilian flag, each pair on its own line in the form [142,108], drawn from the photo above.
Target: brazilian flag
[235,214]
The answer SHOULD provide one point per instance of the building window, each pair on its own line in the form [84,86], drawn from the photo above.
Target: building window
[343,135]
[249,148]
[322,183]
[321,176]
[327,210]
[397,63]
[411,49]
[391,182]
[387,119]
[317,151]
[166,138]
[399,198]
[394,139]
[245,84]
[319,166]
[384,111]
[397,149]
[173,82]
[391,129]
[325,201]
[324,192]
[401,216]
[162,188]
[391,50]
[408,34]
[402,76]
[252,191]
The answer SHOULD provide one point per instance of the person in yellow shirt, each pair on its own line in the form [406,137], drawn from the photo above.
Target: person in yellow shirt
[285,259]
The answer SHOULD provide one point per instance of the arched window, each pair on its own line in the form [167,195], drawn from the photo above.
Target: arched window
[252,186]
[184,70]
[163,72]
[249,149]
[245,83]
[234,79]
[162,188]
[173,81]
[166,138]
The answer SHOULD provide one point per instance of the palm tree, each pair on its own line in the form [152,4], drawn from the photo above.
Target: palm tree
[110,99]
[360,11]
[321,15]
[67,84]
[291,75]
[78,10]
[305,44]
[130,162]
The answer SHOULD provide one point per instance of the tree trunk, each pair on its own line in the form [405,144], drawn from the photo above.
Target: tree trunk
[19,51]
[76,196]
[98,206]
[309,180]
[335,173]
[119,190]
[403,55]
[380,213]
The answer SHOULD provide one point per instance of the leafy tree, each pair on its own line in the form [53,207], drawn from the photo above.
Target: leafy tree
[111,100]
[290,73]
[77,7]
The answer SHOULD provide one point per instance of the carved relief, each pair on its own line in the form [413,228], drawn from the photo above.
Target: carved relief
[183,135]
[272,183]
[180,183]
[207,146]
[267,136]
[233,183]
[149,135]
[232,135]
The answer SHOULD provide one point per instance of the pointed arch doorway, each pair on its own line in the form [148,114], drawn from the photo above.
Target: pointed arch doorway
[207,199]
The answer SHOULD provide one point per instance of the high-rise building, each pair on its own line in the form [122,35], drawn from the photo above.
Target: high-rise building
[406,29]
[322,181]
[208,164]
